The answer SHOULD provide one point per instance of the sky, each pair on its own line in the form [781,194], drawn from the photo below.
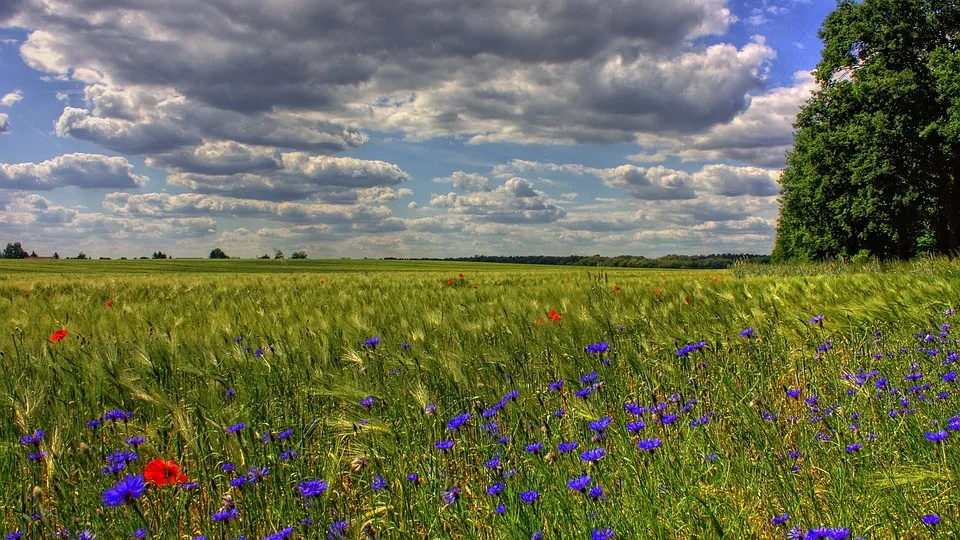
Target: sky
[408,128]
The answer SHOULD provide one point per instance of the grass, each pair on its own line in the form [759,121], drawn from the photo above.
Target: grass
[165,350]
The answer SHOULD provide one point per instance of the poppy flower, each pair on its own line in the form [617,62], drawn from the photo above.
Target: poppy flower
[554,316]
[450,281]
[687,299]
[109,303]
[321,282]
[58,335]
[656,292]
[161,472]
[476,286]
[616,288]
[26,294]
[461,275]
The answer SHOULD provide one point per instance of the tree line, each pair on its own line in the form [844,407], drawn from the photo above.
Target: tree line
[715,261]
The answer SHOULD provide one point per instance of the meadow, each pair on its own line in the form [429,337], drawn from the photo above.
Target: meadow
[378,399]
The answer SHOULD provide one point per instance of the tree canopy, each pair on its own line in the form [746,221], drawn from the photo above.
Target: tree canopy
[13,251]
[875,165]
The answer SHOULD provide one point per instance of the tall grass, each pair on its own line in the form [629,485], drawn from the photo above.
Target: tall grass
[166,351]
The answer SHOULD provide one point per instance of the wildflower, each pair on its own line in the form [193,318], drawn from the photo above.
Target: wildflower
[109,303]
[668,419]
[405,345]
[444,445]
[451,496]
[817,319]
[125,491]
[500,509]
[58,335]
[135,441]
[160,472]
[635,426]
[236,427]
[537,535]
[780,520]
[230,392]
[601,534]
[584,392]
[493,463]
[15,535]
[594,454]
[336,529]
[690,347]
[534,448]
[567,447]
[413,478]
[367,402]
[372,342]
[554,316]
[556,385]
[649,445]
[747,332]
[33,439]
[580,483]
[601,424]
[530,497]
[257,473]
[225,515]
[280,535]
[378,483]
[854,447]
[596,492]
[311,488]
[936,436]
[931,519]
[598,348]
[495,489]
[457,421]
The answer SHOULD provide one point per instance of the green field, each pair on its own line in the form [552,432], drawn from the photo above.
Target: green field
[738,453]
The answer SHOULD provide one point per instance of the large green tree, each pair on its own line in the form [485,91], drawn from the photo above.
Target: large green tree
[875,162]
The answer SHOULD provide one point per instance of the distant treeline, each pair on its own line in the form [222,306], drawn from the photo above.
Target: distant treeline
[716,261]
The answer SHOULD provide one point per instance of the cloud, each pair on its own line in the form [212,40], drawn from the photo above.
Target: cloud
[760,136]
[162,205]
[4,124]
[649,183]
[299,176]
[516,201]
[219,158]
[8,100]
[466,182]
[90,171]
[732,181]
[309,75]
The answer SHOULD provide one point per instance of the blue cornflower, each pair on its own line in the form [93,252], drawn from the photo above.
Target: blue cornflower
[457,421]
[594,454]
[413,478]
[336,529]
[451,496]
[405,345]
[537,535]
[580,483]
[601,424]
[311,488]
[236,427]
[636,425]
[793,393]
[285,434]
[496,489]
[257,473]
[122,456]
[556,385]
[598,348]
[367,402]
[854,447]
[832,533]
[511,395]
[668,419]
[534,448]
[596,492]
[230,392]
[690,347]
[817,319]
[930,519]
[936,436]
[601,534]
[378,483]
[15,535]
[747,332]
[96,422]
[280,535]
[372,342]
[135,441]
[530,496]
[225,515]
[125,491]
[649,445]
[567,447]
[589,378]
[493,462]
[780,520]
[444,445]
[140,533]
[33,438]
[500,509]
[238,481]
[584,392]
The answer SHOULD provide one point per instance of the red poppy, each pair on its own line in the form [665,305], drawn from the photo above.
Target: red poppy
[616,288]
[58,335]
[687,299]
[450,281]
[461,275]
[656,292]
[321,282]
[476,286]
[109,303]
[554,316]
[161,472]
[26,294]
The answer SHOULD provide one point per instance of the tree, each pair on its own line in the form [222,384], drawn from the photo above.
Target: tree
[299,255]
[81,255]
[264,256]
[278,255]
[218,253]
[873,168]
[14,251]
[159,255]
[33,255]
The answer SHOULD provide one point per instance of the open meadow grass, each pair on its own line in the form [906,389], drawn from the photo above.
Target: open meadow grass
[356,399]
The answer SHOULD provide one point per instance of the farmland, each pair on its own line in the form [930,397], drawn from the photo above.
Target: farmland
[355,399]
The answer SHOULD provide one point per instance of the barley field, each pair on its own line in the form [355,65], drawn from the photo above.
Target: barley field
[391,399]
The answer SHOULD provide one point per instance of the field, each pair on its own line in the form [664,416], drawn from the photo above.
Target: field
[356,399]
